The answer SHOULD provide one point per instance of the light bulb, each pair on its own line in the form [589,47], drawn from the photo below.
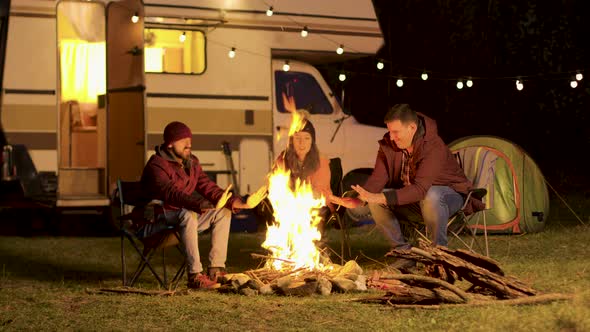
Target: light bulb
[460,85]
[342,77]
[269,11]
[424,76]
[135,18]
[380,65]
[304,32]
[340,49]
[399,82]
[574,84]
[519,85]
[182,37]
[286,66]
[232,53]
[579,76]
[469,83]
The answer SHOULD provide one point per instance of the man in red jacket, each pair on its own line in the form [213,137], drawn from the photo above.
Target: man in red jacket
[172,175]
[422,176]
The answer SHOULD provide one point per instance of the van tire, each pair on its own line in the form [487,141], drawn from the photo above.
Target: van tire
[358,176]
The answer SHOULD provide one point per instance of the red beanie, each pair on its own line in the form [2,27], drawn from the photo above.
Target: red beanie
[175,131]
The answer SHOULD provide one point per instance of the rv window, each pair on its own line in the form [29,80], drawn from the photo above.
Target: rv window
[174,51]
[305,91]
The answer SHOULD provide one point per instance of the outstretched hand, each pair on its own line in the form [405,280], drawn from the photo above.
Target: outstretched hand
[224,198]
[347,202]
[368,196]
[257,197]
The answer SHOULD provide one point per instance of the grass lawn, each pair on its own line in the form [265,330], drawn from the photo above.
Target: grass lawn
[44,283]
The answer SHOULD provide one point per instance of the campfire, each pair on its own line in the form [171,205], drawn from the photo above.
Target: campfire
[294,264]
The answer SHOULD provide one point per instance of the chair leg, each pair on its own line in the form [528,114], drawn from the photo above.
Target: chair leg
[145,261]
[485,233]
[123,263]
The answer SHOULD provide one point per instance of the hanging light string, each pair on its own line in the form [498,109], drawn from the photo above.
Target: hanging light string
[462,81]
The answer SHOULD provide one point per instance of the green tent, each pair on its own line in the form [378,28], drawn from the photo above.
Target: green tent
[517,199]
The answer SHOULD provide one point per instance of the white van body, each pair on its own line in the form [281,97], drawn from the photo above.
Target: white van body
[234,100]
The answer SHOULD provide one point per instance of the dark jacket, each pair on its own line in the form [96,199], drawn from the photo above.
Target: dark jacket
[165,179]
[432,163]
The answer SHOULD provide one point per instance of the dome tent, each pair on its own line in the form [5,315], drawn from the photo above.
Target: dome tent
[517,200]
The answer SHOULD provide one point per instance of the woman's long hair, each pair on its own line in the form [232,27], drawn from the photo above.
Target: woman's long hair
[311,163]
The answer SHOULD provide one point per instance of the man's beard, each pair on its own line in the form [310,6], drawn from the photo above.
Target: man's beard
[181,156]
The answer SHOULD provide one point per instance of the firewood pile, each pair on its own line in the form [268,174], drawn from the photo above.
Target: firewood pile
[452,277]
[296,282]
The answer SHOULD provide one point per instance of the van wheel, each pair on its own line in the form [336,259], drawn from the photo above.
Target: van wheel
[362,213]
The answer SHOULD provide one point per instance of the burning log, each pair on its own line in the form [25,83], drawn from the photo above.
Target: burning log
[297,282]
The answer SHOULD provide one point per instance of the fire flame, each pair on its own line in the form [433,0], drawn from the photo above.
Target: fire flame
[291,239]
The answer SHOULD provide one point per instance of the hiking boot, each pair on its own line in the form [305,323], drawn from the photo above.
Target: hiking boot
[403,264]
[215,273]
[200,281]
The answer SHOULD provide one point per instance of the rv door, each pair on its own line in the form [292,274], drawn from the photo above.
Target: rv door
[305,85]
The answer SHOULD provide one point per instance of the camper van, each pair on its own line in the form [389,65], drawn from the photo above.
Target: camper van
[88,86]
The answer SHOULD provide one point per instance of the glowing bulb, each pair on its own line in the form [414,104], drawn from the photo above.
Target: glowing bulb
[579,76]
[342,77]
[400,82]
[340,49]
[469,83]
[573,84]
[182,37]
[460,85]
[232,53]
[269,11]
[424,76]
[519,85]
[286,66]
[380,65]
[135,18]
[304,32]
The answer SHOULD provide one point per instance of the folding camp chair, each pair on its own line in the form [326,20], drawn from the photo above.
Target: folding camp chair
[459,222]
[135,214]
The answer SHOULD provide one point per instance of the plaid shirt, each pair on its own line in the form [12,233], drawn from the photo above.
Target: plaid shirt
[405,174]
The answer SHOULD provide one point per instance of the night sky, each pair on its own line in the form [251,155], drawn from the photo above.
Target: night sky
[494,42]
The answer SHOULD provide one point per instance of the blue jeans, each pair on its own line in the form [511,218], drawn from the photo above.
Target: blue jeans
[435,209]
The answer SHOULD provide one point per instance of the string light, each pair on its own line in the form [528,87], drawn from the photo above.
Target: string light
[519,85]
[182,37]
[342,77]
[304,32]
[286,66]
[399,82]
[340,49]
[232,53]
[380,65]
[135,18]
[573,84]
[269,11]
[460,85]
[579,76]
[424,76]
[469,83]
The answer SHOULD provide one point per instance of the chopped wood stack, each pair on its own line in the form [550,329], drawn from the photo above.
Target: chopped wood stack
[443,268]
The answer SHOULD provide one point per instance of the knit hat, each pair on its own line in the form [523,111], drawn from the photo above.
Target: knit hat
[175,131]
[308,127]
